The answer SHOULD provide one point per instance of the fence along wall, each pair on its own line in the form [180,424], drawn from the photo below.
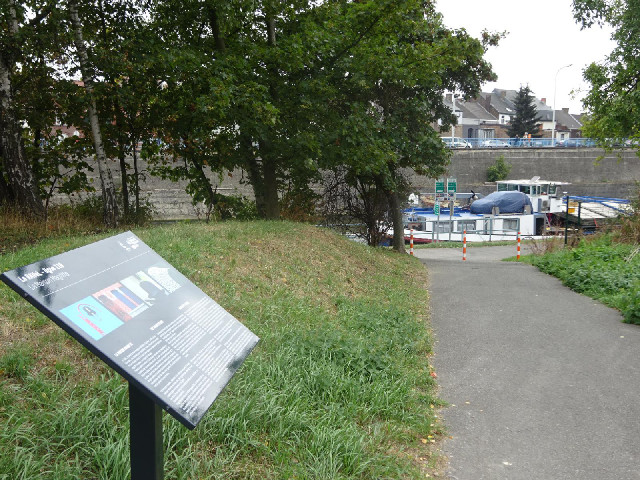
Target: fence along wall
[615,175]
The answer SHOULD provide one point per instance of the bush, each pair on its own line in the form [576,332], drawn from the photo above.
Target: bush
[499,170]
[602,269]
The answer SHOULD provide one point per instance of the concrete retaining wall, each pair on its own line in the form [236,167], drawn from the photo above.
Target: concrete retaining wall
[613,176]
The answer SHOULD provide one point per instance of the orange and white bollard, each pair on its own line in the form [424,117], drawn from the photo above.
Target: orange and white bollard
[464,245]
[411,243]
[518,255]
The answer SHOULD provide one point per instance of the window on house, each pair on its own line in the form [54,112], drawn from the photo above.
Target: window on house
[486,133]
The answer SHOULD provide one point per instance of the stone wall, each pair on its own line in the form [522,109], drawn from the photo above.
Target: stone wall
[612,176]
[170,199]
[615,175]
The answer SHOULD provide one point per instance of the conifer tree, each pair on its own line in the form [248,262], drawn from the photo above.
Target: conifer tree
[526,119]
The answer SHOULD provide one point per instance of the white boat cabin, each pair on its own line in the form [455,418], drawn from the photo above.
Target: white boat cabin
[546,196]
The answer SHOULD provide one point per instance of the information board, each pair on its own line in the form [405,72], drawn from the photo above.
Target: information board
[142,317]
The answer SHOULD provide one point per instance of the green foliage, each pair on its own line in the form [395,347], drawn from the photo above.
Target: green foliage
[526,118]
[613,103]
[499,170]
[89,208]
[278,89]
[235,207]
[601,269]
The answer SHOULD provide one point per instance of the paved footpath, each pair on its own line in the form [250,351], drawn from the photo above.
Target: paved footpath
[544,383]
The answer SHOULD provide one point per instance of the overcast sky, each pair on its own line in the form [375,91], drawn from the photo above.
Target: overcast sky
[542,37]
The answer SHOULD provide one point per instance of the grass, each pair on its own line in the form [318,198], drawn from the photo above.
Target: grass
[340,386]
[600,268]
[18,230]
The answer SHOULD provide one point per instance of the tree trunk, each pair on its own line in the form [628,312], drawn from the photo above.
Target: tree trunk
[110,206]
[6,195]
[22,185]
[125,186]
[398,224]
[210,200]
[271,201]
[136,176]
[255,177]
[215,28]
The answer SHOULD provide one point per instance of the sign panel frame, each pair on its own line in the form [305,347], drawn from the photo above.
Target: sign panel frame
[142,317]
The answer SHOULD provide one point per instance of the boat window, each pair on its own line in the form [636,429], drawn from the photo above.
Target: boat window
[552,189]
[468,225]
[544,189]
[513,187]
[510,224]
[525,189]
[443,227]
[502,187]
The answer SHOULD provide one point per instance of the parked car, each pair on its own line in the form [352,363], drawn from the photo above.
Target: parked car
[494,143]
[568,142]
[456,142]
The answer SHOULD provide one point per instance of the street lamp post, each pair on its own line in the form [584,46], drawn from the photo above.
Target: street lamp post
[453,125]
[553,121]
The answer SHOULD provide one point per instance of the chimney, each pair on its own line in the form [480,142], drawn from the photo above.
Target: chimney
[565,110]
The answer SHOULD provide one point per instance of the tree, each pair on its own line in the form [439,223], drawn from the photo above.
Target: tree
[18,183]
[613,101]
[109,203]
[526,120]
[388,92]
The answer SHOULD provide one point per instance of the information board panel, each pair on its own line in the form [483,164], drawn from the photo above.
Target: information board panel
[142,317]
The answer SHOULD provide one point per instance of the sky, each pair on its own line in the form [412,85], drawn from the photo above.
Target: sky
[542,38]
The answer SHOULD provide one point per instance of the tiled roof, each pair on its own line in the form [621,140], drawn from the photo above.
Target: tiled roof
[475,110]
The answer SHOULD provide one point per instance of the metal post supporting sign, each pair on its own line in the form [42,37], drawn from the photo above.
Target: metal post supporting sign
[566,219]
[436,210]
[145,436]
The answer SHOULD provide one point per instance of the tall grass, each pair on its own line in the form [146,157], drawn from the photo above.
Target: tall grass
[338,388]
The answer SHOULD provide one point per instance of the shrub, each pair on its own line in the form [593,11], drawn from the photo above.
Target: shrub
[499,170]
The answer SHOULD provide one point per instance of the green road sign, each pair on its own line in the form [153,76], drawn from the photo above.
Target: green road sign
[440,185]
[452,185]
[436,208]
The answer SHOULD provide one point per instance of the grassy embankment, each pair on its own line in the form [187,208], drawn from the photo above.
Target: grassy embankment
[601,268]
[338,388]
